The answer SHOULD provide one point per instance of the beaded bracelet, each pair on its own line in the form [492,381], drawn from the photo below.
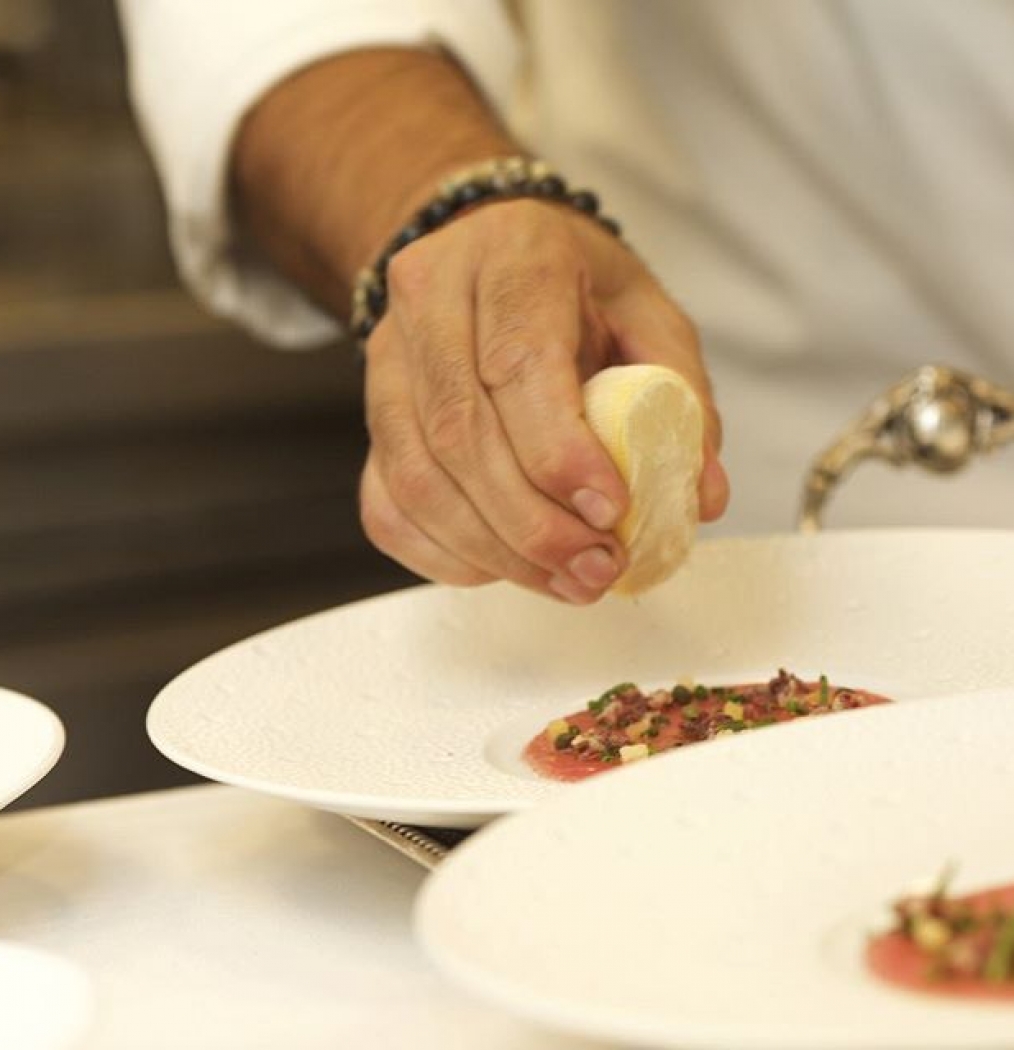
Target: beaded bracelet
[503,178]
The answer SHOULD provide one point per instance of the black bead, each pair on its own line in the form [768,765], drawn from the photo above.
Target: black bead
[551,186]
[586,201]
[365,327]
[410,233]
[376,299]
[611,225]
[433,215]
[471,192]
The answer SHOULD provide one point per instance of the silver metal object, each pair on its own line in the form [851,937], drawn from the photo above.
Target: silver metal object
[415,843]
[936,418]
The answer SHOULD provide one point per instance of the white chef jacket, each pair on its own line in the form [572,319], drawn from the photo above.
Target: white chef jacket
[827,186]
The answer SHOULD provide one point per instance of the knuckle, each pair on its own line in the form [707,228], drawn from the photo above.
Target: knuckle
[540,541]
[381,525]
[449,424]
[549,467]
[506,358]
[412,483]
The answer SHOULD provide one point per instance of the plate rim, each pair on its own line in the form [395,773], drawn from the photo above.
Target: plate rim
[47,759]
[437,811]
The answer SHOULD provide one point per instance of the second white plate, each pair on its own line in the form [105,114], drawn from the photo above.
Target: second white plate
[414,707]
[720,898]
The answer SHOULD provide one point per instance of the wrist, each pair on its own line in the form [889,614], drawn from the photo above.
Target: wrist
[335,159]
[494,180]
[388,208]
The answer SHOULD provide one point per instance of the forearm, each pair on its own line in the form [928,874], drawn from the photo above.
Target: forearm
[332,161]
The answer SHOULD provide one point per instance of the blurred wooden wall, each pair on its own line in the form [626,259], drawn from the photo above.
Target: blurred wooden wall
[167,486]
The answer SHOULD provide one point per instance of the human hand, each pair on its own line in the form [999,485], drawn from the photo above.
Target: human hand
[481,466]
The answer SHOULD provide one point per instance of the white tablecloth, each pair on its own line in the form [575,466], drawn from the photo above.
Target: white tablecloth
[210,917]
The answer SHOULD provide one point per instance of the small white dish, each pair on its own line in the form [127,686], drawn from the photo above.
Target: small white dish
[31,741]
[720,898]
[414,707]
[46,1003]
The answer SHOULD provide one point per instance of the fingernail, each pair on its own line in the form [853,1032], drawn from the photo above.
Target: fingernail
[570,590]
[714,489]
[595,567]
[599,511]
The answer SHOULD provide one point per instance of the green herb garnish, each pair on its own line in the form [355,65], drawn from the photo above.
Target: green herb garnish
[825,692]
[564,740]
[733,725]
[596,706]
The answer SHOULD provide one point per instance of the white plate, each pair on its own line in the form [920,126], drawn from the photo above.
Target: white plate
[31,740]
[414,707]
[719,898]
[46,1002]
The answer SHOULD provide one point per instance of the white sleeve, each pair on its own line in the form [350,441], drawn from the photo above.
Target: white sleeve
[197,66]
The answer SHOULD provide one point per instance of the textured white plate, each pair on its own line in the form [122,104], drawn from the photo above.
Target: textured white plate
[31,740]
[719,898]
[415,706]
[45,1002]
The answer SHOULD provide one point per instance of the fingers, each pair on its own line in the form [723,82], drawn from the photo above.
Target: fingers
[650,329]
[393,533]
[528,338]
[464,434]
[408,498]
[414,511]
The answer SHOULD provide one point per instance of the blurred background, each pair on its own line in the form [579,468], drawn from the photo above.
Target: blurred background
[167,486]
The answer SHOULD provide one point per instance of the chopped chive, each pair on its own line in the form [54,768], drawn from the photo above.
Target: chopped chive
[825,692]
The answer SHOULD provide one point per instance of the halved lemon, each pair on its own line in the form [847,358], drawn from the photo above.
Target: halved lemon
[650,421]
